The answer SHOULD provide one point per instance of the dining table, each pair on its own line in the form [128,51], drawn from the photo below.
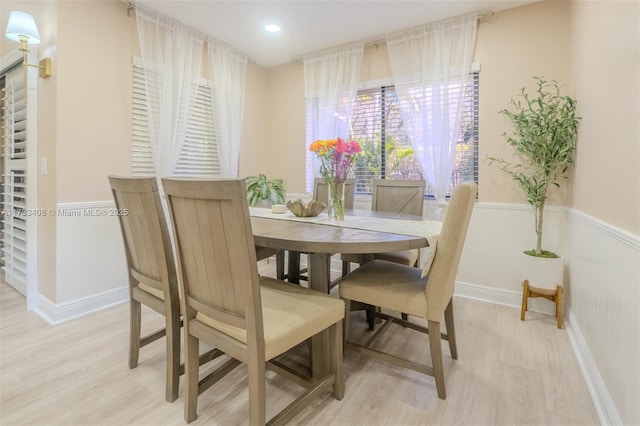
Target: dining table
[362,232]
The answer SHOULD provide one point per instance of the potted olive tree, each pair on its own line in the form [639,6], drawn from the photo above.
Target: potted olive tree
[545,129]
[261,189]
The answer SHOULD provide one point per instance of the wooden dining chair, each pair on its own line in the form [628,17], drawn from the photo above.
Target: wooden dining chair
[228,305]
[320,193]
[393,196]
[402,288]
[151,270]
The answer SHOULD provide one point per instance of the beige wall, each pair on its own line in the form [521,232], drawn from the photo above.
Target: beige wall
[94,101]
[252,145]
[512,47]
[605,50]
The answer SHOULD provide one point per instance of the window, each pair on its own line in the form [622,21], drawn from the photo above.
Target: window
[387,153]
[199,156]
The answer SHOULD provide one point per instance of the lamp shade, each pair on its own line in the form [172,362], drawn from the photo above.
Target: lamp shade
[22,25]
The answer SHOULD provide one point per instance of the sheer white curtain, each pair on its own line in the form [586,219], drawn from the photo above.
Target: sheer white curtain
[171,56]
[228,72]
[429,66]
[331,84]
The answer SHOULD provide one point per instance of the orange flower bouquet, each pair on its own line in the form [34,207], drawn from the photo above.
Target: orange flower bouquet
[337,157]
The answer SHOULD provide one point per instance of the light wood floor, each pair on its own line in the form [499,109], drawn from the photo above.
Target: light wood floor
[508,373]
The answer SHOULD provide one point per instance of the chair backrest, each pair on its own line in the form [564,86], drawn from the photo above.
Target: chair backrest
[398,196]
[321,192]
[442,275]
[218,272]
[145,234]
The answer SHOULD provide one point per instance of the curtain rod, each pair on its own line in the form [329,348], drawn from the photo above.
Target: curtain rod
[382,39]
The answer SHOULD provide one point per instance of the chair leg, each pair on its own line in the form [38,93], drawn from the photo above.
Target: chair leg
[191,373]
[134,332]
[435,346]
[451,330]
[337,355]
[525,298]
[346,323]
[371,317]
[559,306]
[257,390]
[173,358]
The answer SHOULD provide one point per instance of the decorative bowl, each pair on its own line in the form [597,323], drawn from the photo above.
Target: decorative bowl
[312,209]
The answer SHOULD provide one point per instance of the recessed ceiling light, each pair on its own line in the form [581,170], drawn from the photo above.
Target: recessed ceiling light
[272,28]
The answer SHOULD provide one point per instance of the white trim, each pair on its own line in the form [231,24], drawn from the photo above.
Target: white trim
[619,234]
[602,401]
[86,205]
[503,297]
[55,314]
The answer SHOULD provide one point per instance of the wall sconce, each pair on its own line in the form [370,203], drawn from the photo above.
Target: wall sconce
[22,28]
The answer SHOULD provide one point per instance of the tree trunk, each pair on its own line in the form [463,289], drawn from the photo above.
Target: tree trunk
[539,219]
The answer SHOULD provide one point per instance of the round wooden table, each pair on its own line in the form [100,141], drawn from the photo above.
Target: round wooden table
[320,241]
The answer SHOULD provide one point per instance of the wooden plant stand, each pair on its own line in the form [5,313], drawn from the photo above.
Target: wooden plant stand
[553,295]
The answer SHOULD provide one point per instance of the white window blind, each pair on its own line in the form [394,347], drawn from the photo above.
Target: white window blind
[376,123]
[13,221]
[199,155]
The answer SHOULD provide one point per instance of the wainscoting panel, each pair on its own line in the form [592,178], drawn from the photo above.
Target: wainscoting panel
[90,251]
[604,303]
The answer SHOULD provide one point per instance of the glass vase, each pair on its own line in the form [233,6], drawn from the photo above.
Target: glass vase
[336,201]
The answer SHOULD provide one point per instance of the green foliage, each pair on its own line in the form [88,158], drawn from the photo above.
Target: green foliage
[259,188]
[544,140]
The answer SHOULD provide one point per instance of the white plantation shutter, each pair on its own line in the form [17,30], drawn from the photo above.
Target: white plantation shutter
[199,154]
[13,221]
[141,159]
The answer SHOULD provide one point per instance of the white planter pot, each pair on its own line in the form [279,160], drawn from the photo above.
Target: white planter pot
[543,273]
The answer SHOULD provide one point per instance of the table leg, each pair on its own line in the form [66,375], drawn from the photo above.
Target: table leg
[319,280]
[319,271]
[293,269]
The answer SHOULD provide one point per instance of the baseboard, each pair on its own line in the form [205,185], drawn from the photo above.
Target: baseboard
[55,314]
[502,297]
[602,401]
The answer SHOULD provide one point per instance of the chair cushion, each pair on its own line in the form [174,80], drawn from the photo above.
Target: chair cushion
[290,315]
[403,257]
[388,285]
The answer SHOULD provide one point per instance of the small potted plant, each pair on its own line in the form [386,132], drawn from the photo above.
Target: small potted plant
[260,189]
[544,136]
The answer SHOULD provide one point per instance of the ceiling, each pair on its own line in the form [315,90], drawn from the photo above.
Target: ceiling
[311,25]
